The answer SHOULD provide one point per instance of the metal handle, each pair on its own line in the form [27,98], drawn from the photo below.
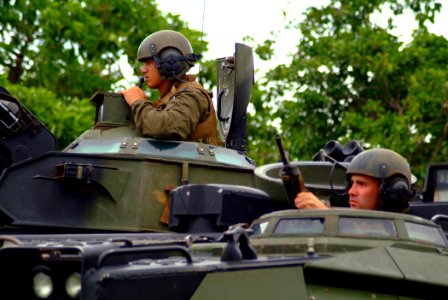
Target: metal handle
[144,250]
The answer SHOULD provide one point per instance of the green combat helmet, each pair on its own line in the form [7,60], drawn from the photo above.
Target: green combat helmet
[171,51]
[393,172]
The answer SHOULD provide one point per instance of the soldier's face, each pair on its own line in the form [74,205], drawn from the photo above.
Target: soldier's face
[364,192]
[151,74]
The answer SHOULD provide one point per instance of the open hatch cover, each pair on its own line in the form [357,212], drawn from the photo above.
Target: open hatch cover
[235,81]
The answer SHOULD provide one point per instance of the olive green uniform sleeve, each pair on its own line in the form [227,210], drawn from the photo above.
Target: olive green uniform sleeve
[176,121]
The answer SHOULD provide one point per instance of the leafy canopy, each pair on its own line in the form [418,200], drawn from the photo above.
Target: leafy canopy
[349,78]
[57,52]
[352,79]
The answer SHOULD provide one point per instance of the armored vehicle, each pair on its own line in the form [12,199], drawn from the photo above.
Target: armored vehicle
[119,216]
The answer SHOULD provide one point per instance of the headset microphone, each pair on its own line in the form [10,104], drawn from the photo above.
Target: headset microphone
[141,82]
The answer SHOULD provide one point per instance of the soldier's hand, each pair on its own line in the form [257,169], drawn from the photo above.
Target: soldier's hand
[307,200]
[133,94]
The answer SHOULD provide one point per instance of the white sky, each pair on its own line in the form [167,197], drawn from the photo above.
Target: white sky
[226,22]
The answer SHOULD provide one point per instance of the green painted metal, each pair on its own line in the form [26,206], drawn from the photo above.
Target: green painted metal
[113,179]
[272,283]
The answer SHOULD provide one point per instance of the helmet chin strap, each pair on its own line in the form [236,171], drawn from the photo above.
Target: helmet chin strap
[383,172]
[154,55]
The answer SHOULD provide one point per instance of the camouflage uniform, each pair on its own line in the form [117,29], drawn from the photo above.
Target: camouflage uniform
[185,113]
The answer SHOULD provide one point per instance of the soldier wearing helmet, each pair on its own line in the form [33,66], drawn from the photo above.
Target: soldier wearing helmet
[378,179]
[185,110]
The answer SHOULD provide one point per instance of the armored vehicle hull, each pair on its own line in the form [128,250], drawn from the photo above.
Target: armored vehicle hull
[116,215]
[332,254]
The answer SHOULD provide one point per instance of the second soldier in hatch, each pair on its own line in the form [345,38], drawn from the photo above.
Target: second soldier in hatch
[378,179]
[185,110]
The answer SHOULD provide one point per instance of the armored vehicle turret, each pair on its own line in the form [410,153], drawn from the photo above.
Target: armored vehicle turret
[116,215]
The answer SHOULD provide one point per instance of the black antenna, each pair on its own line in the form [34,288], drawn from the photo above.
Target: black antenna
[203,18]
[202,31]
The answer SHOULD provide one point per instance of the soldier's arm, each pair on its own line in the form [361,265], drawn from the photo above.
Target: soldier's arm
[307,200]
[177,121]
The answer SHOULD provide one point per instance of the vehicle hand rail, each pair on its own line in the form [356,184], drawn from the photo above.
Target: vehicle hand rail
[435,218]
[133,252]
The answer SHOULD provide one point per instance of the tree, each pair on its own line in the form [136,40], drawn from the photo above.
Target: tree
[70,49]
[353,79]
[66,119]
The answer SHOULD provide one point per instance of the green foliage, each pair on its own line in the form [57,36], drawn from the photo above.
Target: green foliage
[352,79]
[349,78]
[67,50]
[65,119]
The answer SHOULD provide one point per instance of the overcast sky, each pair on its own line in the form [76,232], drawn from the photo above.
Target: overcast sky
[226,22]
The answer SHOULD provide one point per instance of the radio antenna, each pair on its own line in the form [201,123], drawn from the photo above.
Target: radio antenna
[202,31]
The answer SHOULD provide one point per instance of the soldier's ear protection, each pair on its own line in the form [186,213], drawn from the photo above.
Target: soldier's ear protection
[171,62]
[394,194]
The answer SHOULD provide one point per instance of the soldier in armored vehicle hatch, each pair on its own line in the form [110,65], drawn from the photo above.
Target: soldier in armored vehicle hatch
[378,179]
[185,110]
